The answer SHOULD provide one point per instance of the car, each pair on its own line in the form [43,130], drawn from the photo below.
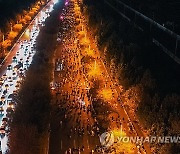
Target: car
[5,92]
[1,110]
[4,124]
[10,80]
[9,109]
[17,53]
[3,97]
[9,67]
[1,103]
[4,76]
[1,84]
[2,131]
[5,119]
[14,59]
[19,65]
[11,105]
[1,80]
[14,76]
[135,121]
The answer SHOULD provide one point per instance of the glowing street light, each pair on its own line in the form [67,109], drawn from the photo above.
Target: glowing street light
[27,34]
[105,94]
[94,70]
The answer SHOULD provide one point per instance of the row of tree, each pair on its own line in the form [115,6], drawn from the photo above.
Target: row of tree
[12,10]
[132,56]
[12,28]
[30,122]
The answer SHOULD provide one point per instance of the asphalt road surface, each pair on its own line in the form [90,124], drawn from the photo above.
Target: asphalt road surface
[74,127]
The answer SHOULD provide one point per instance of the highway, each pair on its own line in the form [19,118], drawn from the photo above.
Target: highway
[78,66]
[13,70]
[84,109]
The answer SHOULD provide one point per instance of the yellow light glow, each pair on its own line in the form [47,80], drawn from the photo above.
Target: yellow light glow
[90,52]
[27,34]
[123,147]
[85,41]
[105,94]
[94,70]
[81,34]
[119,133]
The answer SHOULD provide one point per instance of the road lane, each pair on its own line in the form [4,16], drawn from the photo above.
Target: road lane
[70,87]
[13,71]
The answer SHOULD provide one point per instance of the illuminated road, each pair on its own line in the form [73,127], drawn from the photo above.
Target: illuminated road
[74,124]
[71,84]
[14,68]
[72,81]
[76,127]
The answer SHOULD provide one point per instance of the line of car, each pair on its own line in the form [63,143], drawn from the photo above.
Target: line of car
[11,80]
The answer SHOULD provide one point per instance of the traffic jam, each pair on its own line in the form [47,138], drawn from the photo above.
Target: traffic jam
[15,72]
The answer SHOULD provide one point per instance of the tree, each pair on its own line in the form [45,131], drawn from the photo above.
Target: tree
[133,96]
[147,81]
